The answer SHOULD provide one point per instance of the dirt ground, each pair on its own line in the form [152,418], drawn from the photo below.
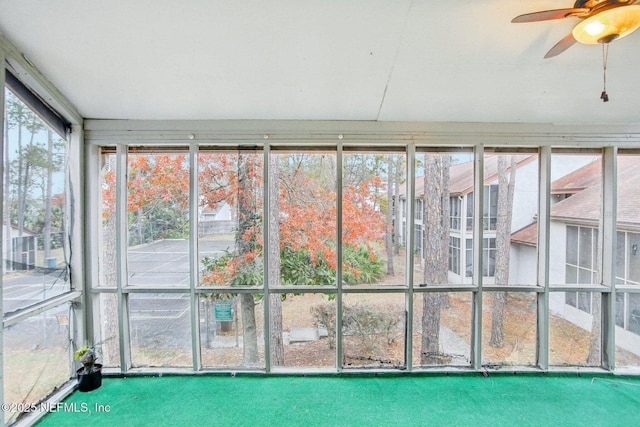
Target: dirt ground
[568,344]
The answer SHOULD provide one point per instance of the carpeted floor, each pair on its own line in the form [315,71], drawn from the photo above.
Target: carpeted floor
[352,400]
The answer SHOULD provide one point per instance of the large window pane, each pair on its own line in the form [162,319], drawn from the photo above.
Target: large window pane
[106,329]
[509,218]
[107,231]
[303,204]
[576,198]
[574,338]
[628,221]
[371,237]
[308,331]
[34,209]
[160,330]
[509,328]
[628,330]
[230,218]
[628,262]
[232,331]
[442,329]
[158,219]
[36,357]
[633,313]
[373,330]
[443,181]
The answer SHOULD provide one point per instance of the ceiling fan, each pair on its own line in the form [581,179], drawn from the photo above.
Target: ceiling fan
[603,22]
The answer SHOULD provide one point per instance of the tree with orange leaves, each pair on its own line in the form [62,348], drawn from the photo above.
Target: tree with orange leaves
[306,218]
[306,223]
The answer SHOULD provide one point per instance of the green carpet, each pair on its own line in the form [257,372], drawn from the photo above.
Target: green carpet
[350,400]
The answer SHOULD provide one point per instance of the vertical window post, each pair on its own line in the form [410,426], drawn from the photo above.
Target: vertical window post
[544,209]
[121,257]
[478,190]
[193,255]
[2,142]
[609,194]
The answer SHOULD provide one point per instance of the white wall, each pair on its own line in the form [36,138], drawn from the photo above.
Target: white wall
[523,265]
[525,196]
[558,252]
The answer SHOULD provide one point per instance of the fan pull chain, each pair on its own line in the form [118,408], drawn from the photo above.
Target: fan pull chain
[605,54]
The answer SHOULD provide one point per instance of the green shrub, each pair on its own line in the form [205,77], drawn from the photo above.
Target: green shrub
[297,268]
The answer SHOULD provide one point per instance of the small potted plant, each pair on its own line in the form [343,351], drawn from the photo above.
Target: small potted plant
[90,374]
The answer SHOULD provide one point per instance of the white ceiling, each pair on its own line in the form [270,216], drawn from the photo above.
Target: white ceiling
[385,60]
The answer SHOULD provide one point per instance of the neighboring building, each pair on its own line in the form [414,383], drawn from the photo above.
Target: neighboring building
[216,221]
[574,231]
[525,208]
[20,253]
[221,213]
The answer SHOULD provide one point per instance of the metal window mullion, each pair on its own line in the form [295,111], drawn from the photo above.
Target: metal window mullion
[266,214]
[2,255]
[92,239]
[544,210]
[478,202]
[409,238]
[76,216]
[193,256]
[121,257]
[609,234]
[339,294]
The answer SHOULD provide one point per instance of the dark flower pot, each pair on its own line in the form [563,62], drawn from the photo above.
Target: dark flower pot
[91,381]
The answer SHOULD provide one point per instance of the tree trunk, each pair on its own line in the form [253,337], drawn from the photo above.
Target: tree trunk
[275,325]
[250,354]
[246,219]
[389,224]
[436,251]
[20,196]
[396,204]
[8,249]
[23,182]
[506,185]
[48,194]
[594,358]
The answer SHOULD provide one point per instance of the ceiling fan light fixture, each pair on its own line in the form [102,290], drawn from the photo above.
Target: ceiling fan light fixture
[594,28]
[608,25]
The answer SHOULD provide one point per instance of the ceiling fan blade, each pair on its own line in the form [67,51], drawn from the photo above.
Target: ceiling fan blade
[547,15]
[561,46]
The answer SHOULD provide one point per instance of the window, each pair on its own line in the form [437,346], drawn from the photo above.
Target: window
[490,208]
[36,297]
[328,238]
[454,211]
[157,219]
[418,238]
[370,250]
[470,212]
[488,260]
[34,207]
[581,267]
[628,273]
[469,258]
[230,217]
[489,257]
[628,258]
[419,209]
[454,255]
[633,313]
